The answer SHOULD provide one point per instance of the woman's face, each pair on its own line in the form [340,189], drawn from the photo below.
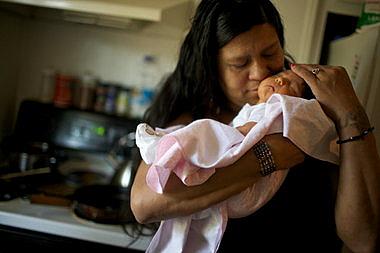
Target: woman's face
[286,83]
[246,60]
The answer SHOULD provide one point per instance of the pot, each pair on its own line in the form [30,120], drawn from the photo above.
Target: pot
[126,170]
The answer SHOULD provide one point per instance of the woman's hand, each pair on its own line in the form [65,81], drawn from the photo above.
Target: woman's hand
[333,89]
[357,207]
[244,129]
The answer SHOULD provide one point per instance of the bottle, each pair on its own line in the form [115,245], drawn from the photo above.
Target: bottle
[63,90]
[149,72]
[142,96]
[47,86]
[122,102]
[100,97]
[110,102]
[140,101]
[86,91]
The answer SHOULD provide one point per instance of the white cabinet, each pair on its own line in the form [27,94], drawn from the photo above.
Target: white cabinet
[148,10]
[125,14]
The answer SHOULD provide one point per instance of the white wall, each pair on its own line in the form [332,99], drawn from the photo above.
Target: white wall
[9,55]
[304,22]
[298,17]
[111,54]
[30,45]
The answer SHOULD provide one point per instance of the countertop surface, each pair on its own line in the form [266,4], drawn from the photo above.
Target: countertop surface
[61,221]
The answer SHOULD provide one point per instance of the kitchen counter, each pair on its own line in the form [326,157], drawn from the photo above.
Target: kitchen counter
[61,221]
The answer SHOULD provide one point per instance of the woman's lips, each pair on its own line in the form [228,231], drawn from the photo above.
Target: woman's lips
[252,90]
[252,93]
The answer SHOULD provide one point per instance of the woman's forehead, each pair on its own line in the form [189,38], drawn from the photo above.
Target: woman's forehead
[258,38]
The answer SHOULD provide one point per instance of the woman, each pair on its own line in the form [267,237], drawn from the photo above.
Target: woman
[185,152]
[231,46]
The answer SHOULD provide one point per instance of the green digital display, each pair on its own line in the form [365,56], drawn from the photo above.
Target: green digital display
[101,131]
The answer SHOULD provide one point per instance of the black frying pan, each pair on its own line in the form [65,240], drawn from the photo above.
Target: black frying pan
[107,204]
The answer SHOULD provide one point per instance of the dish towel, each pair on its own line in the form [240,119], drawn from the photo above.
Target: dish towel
[195,151]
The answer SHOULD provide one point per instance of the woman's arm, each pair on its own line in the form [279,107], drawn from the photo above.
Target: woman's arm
[357,211]
[357,207]
[181,200]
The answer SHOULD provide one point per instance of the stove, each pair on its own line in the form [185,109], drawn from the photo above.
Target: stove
[74,148]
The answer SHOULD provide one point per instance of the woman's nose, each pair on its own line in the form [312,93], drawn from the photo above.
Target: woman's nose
[258,71]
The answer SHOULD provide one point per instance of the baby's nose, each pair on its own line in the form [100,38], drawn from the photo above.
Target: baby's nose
[280,81]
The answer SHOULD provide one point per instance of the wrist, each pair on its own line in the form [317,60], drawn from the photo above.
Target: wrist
[357,137]
[285,153]
[350,131]
[265,158]
[353,123]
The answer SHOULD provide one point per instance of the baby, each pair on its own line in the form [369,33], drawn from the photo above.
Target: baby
[193,153]
[286,83]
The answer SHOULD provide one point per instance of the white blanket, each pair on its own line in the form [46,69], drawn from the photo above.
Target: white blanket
[195,151]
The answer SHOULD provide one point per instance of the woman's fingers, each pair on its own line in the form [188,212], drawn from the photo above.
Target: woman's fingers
[312,74]
[244,129]
[306,72]
[332,87]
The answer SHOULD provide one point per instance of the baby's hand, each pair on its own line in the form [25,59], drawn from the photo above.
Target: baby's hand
[244,129]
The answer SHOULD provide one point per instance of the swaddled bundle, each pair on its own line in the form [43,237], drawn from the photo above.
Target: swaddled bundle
[195,151]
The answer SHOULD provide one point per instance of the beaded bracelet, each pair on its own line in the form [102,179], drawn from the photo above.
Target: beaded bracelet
[264,155]
[357,137]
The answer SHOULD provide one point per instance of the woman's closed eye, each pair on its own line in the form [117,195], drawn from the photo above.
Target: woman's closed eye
[270,54]
[238,65]
[272,51]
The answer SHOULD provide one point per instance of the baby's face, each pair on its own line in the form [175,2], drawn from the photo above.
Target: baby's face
[286,83]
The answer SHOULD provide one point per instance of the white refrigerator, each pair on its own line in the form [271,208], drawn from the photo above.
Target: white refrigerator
[359,53]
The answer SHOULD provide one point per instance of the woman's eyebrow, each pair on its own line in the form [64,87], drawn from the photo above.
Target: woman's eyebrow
[274,44]
[236,58]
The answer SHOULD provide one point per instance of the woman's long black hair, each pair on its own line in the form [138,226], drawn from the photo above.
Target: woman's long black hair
[194,86]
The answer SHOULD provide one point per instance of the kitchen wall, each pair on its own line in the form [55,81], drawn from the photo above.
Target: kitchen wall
[28,45]
[10,28]
[297,16]
[111,54]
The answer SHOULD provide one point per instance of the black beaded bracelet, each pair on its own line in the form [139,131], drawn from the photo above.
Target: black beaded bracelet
[357,137]
[264,155]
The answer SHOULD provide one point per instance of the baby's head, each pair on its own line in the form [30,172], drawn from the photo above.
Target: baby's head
[286,83]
